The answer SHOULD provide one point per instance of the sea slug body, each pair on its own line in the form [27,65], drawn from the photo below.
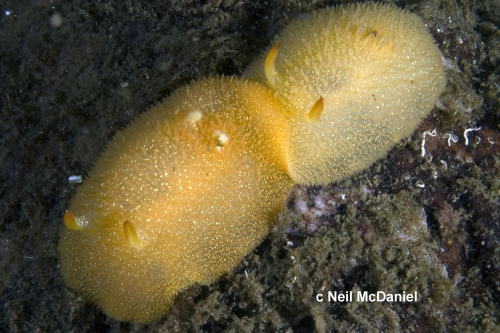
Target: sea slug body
[192,185]
[178,197]
[354,80]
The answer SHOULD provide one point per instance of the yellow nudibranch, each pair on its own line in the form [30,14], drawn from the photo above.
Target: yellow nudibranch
[178,197]
[354,80]
[191,186]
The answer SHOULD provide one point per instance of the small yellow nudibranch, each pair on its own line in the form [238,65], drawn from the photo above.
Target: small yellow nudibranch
[151,205]
[348,55]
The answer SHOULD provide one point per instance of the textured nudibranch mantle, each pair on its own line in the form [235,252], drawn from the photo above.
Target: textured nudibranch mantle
[190,187]
[354,80]
[178,197]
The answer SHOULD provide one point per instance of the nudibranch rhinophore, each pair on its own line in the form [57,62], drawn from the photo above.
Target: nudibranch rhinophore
[354,80]
[180,196]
